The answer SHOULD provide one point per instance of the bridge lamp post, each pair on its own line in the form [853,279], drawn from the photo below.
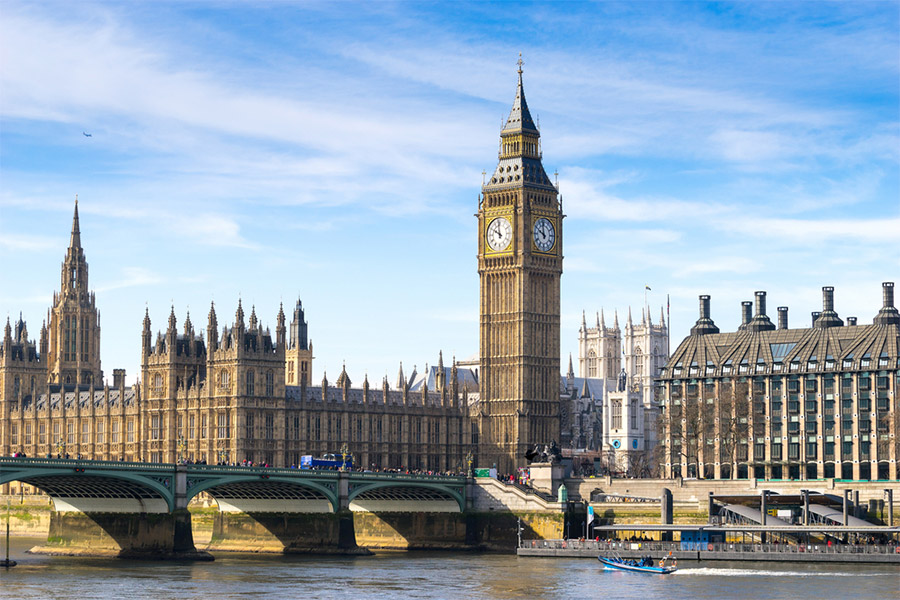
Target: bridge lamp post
[223,457]
[469,458]
[344,451]
[181,446]
[61,448]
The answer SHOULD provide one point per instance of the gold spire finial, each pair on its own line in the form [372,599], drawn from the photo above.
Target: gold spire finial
[520,63]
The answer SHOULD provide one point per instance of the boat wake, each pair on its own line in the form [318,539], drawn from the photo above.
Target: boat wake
[723,572]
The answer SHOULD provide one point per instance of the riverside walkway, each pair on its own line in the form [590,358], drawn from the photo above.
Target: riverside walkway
[722,551]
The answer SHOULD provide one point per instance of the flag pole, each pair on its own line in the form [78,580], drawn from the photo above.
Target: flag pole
[668,329]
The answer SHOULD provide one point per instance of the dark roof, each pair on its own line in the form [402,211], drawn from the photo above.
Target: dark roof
[786,351]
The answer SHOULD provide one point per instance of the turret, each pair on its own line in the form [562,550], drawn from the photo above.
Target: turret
[239,318]
[146,335]
[212,329]
[280,329]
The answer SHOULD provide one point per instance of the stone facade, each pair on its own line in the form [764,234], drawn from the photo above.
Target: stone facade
[771,402]
[519,267]
[627,366]
[226,396]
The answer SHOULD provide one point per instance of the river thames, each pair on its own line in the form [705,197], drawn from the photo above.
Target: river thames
[421,575]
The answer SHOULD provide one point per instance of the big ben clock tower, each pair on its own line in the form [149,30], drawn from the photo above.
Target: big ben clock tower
[519,267]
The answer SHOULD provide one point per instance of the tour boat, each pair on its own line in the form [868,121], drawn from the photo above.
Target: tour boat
[622,564]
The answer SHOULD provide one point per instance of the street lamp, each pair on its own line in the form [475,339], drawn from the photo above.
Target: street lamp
[181,446]
[344,451]
[60,448]
[469,459]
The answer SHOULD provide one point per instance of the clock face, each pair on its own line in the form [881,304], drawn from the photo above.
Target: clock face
[544,234]
[499,234]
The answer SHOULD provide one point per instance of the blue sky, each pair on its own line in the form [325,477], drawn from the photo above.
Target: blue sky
[334,152]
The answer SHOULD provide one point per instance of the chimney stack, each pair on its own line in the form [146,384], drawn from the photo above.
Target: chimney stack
[851,321]
[782,317]
[746,314]
[704,324]
[888,315]
[815,317]
[828,317]
[760,322]
[118,378]
[760,304]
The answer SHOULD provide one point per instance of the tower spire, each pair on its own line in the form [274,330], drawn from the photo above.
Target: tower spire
[75,240]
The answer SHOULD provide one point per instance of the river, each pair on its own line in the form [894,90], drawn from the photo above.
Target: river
[421,575]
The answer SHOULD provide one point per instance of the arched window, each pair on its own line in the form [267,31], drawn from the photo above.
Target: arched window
[224,379]
[158,384]
[250,382]
[270,383]
[16,387]
[638,362]
[610,367]
[616,414]
[634,411]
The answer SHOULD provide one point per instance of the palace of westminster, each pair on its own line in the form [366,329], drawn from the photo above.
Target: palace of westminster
[761,402]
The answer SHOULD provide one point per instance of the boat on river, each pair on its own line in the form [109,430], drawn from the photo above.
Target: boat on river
[666,566]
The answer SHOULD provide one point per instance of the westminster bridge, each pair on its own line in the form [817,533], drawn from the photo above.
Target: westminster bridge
[140,509]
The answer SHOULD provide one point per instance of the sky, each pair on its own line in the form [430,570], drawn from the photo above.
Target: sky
[334,151]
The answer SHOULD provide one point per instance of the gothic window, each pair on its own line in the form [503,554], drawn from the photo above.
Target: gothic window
[634,419]
[203,426]
[616,414]
[224,431]
[250,382]
[179,433]
[291,372]
[638,362]
[70,433]
[158,384]
[85,339]
[85,432]
[270,426]
[16,387]
[114,432]
[155,432]
[191,424]
[270,383]
[610,367]
[592,364]
[249,432]
[224,379]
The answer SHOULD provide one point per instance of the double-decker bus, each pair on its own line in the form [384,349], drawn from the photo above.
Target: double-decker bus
[327,461]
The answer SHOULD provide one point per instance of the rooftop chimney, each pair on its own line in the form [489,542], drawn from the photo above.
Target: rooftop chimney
[782,317]
[118,378]
[760,321]
[851,321]
[888,315]
[815,317]
[746,314]
[828,317]
[704,324]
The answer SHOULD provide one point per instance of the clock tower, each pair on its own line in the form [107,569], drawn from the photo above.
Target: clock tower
[519,268]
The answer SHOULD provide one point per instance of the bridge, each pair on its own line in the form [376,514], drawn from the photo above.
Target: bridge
[140,509]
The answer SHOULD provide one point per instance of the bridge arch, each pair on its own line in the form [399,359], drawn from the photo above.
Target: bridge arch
[405,494]
[265,493]
[79,487]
